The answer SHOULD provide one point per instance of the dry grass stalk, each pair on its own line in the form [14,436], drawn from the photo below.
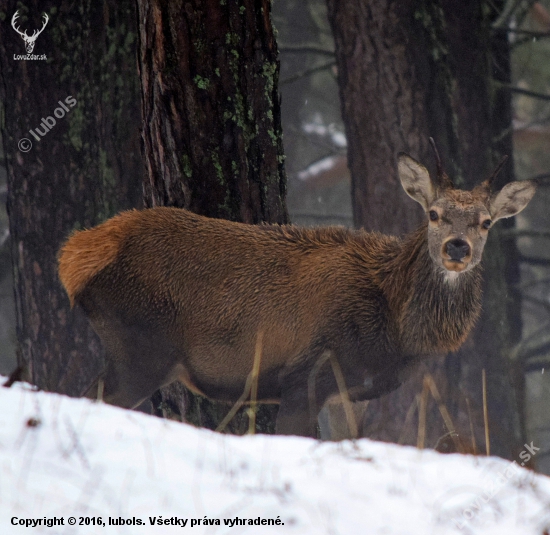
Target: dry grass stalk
[485,413]
[441,406]
[346,402]
[254,387]
[250,380]
[422,407]
[474,445]
[311,383]
[444,413]
[100,385]
[408,417]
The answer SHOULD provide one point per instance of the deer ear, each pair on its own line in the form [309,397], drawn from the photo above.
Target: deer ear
[415,180]
[512,199]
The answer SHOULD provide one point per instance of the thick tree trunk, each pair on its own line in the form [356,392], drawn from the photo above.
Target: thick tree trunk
[407,71]
[212,132]
[212,128]
[383,76]
[80,172]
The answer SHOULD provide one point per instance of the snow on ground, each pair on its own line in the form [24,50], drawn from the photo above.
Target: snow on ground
[63,458]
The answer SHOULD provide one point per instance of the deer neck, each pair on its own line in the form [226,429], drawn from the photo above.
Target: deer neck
[434,310]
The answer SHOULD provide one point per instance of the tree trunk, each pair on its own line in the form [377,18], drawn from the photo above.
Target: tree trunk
[82,170]
[408,71]
[212,129]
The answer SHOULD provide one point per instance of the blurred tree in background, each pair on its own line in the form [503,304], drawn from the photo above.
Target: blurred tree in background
[85,168]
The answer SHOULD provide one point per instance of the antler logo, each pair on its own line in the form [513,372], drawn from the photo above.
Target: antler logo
[29,39]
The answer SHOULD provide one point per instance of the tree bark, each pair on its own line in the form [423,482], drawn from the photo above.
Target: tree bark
[80,172]
[212,130]
[212,133]
[408,71]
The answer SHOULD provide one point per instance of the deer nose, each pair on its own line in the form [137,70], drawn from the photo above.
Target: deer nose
[457,249]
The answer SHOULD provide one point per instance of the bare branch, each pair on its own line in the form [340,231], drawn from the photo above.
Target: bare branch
[538,302]
[518,233]
[308,72]
[530,33]
[512,9]
[526,92]
[530,284]
[534,261]
[306,49]
[537,351]
[536,366]
[526,349]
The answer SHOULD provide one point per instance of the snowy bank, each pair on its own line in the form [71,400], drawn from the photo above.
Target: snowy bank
[64,459]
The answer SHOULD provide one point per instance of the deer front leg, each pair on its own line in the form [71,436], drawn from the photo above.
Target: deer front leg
[304,392]
[295,417]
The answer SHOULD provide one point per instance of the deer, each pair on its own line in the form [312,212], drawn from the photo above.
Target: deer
[29,40]
[178,296]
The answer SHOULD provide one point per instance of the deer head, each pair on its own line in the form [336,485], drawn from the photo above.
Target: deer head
[459,220]
[29,39]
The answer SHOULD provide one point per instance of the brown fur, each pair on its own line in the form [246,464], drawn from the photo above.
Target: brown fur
[174,295]
[86,253]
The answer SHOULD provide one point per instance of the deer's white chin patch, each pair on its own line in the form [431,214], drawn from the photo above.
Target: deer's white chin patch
[451,276]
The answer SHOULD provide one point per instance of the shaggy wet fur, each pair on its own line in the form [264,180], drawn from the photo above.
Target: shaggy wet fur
[174,295]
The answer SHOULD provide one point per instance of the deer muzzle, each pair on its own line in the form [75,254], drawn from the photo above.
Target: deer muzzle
[456,254]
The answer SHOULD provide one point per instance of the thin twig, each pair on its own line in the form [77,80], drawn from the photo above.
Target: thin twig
[254,389]
[540,302]
[474,445]
[510,10]
[238,404]
[517,233]
[534,260]
[443,411]
[422,408]
[524,40]
[536,366]
[242,399]
[521,91]
[344,396]
[306,49]
[311,384]
[522,351]
[537,351]
[530,284]
[100,387]
[408,417]
[530,33]
[485,412]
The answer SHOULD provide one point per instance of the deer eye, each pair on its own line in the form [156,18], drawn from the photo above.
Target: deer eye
[434,216]
[486,224]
